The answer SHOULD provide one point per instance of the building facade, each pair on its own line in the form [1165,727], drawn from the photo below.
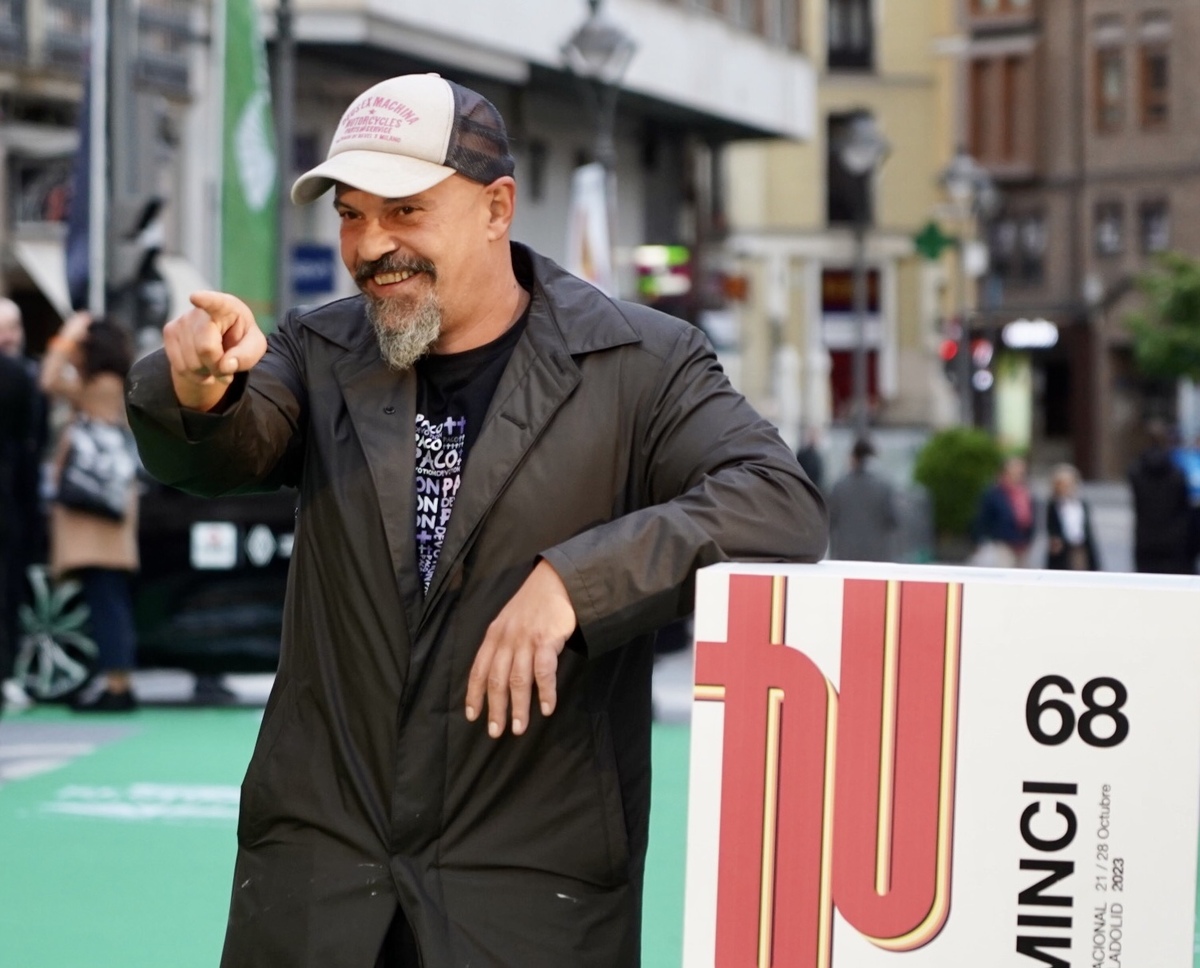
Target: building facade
[703,74]
[44,47]
[792,213]
[1082,112]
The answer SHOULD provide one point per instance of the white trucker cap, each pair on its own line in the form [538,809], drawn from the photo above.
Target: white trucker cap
[407,134]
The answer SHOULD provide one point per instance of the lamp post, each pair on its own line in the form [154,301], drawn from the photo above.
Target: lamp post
[860,151]
[598,53]
[974,195]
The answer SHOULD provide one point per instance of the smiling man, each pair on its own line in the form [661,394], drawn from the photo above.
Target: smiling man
[507,482]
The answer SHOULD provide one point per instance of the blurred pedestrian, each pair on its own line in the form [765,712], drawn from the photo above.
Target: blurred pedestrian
[1005,519]
[1162,540]
[25,542]
[862,511]
[1188,460]
[16,453]
[1070,543]
[811,458]
[85,365]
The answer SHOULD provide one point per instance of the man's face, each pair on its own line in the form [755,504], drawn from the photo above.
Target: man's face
[408,253]
[12,333]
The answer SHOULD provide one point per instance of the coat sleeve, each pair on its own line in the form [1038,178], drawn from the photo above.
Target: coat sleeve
[253,444]
[717,484]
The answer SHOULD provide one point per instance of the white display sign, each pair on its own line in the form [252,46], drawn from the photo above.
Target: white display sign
[214,545]
[927,767]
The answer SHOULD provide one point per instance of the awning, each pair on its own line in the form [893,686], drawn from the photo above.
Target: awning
[46,264]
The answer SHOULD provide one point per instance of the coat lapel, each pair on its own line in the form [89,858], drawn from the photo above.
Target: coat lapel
[538,379]
[382,406]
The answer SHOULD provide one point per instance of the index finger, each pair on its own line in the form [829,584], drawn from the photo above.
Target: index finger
[224,310]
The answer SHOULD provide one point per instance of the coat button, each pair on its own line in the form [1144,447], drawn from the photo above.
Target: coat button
[389,409]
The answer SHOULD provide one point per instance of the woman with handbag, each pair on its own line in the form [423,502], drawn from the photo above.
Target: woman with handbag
[93,521]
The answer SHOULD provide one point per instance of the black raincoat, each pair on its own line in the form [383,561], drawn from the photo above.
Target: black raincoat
[616,449]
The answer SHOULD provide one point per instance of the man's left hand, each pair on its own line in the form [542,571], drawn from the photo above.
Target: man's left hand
[521,650]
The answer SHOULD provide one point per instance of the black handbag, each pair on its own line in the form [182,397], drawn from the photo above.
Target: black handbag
[99,469]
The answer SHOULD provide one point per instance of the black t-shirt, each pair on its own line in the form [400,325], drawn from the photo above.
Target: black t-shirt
[453,394]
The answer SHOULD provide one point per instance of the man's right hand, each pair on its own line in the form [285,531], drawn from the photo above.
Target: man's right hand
[207,345]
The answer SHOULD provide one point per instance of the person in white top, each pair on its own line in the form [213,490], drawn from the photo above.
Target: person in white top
[1070,545]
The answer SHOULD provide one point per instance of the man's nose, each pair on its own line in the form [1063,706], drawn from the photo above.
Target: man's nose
[374,242]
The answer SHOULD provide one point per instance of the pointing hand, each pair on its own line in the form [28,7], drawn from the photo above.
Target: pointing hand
[207,345]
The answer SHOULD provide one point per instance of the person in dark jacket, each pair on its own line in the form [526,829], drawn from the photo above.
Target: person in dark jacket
[1161,509]
[862,511]
[25,517]
[454,764]
[1004,521]
[17,455]
[1070,544]
[811,458]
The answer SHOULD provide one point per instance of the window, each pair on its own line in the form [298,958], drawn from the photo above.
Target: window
[851,35]
[977,140]
[847,196]
[1155,226]
[1156,82]
[1110,89]
[1017,244]
[1012,105]
[1109,80]
[1109,228]
[1000,124]
[1031,269]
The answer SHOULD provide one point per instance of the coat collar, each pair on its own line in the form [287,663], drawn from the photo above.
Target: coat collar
[567,318]
[382,405]
[587,320]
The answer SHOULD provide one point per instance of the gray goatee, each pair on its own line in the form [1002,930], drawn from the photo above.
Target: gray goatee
[405,331]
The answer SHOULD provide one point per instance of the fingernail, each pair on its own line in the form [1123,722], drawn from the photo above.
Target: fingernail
[518,727]
[493,730]
[545,709]
[470,714]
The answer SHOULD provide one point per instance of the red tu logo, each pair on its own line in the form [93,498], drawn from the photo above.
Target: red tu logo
[799,836]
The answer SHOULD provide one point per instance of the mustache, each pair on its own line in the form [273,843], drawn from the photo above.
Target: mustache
[389,263]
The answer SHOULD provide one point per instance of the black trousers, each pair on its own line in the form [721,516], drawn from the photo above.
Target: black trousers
[399,947]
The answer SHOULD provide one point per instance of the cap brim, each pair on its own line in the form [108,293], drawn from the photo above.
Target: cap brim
[378,172]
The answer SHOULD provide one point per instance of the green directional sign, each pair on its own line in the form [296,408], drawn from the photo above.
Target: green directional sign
[931,241]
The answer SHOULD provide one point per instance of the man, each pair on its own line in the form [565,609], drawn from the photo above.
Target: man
[25,434]
[862,511]
[453,767]
[17,458]
[1162,541]
[811,458]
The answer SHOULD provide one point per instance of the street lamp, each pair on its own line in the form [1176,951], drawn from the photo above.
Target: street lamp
[599,53]
[975,196]
[861,149]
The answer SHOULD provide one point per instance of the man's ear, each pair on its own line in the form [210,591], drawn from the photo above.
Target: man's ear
[502,205]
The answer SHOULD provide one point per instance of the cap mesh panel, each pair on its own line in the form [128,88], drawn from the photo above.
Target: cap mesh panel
[478,146]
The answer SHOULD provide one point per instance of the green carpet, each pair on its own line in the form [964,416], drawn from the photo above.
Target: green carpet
[122,856]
